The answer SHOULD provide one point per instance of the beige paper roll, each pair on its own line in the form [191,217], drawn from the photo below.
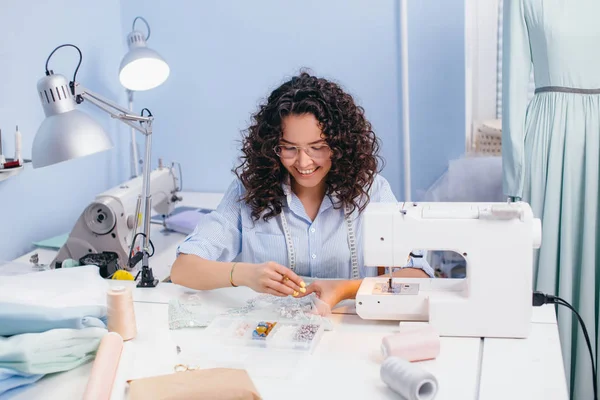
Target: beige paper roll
[418,344]
[104,370]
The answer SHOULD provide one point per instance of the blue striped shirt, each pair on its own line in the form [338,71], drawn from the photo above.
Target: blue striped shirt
[321,246]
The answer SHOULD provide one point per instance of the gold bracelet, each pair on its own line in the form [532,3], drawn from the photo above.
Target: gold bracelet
[231,275]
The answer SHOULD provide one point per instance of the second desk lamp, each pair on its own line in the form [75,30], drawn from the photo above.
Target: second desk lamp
[141,69]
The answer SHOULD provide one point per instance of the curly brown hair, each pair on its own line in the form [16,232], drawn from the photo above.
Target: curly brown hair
[345,129]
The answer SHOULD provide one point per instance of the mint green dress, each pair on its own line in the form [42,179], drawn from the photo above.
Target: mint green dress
[550,149]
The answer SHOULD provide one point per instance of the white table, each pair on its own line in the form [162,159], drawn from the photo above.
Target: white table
[347,360]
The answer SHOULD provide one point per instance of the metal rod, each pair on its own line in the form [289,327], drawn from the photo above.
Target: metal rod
[102,99]
[147,279]
[110,107]
[133,117]
[106,109]
[138,209]
[146,191]
[405,98]
[135,167]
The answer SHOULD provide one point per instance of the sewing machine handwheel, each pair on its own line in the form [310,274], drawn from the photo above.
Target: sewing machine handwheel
[99,218]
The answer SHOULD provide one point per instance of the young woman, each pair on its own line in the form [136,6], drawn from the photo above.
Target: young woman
[308,170]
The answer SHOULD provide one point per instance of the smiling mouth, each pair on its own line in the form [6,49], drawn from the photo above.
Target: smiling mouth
[307,172]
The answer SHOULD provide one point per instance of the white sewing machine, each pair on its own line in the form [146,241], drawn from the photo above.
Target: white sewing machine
[497,241]
[109,223]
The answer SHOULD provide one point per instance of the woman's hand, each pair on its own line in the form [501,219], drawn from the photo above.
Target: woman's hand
[333,291]
[269,277]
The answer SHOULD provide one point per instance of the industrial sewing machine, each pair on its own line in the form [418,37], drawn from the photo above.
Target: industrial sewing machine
[111,221]
[497,241]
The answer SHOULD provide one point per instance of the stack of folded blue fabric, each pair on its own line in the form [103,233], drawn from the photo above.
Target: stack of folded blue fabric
[37,340]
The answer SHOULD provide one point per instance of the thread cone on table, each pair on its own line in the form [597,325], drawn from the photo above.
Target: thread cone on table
[409,380]
[121,315]
[104,370]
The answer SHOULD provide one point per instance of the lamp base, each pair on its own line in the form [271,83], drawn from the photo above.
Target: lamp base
[147,279]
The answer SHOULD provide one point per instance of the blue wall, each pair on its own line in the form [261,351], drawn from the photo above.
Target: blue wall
[45,202]
[227,55]
[437,88]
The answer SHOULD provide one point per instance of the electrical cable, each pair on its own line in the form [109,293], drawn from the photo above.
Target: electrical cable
[79,99]
[138,255]
[147,26]
[542,298]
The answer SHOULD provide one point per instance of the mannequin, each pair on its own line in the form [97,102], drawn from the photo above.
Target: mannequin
[550,152]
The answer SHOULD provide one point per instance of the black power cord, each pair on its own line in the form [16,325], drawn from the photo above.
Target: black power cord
[134,259]
[540,298]
[142,114]
[78,98]
[147,26]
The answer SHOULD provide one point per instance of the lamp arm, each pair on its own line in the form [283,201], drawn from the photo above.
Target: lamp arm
[115,110]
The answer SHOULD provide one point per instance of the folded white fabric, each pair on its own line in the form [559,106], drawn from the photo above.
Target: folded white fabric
[51,351]
[63,287]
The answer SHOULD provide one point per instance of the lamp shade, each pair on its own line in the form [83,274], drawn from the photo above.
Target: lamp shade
[142,68]
[66,132]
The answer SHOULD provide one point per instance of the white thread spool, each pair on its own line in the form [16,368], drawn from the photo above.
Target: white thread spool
[408,380]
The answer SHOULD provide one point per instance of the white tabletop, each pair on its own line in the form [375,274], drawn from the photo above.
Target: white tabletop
[346,362]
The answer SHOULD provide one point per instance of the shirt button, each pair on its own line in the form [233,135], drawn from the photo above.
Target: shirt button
[314,256]
[312,230]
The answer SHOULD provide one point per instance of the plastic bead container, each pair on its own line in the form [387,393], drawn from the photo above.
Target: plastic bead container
[271,334]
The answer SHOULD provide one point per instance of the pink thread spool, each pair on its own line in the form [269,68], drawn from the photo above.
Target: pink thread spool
[121,316]
[416,344]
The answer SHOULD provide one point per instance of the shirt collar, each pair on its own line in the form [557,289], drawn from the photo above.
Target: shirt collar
[287,191]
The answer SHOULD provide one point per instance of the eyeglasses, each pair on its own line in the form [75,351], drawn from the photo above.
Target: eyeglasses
[316,151]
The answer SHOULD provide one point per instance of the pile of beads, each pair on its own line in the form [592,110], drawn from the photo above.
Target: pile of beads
[306,332]
[241,329]
[286,307]
[263,329]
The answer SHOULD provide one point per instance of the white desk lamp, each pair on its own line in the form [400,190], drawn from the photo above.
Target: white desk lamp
[141,69]
[68,133]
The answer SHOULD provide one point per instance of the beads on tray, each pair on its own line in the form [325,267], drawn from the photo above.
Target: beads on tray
[241,329]
[306,332]
[263,329]
[286,307]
